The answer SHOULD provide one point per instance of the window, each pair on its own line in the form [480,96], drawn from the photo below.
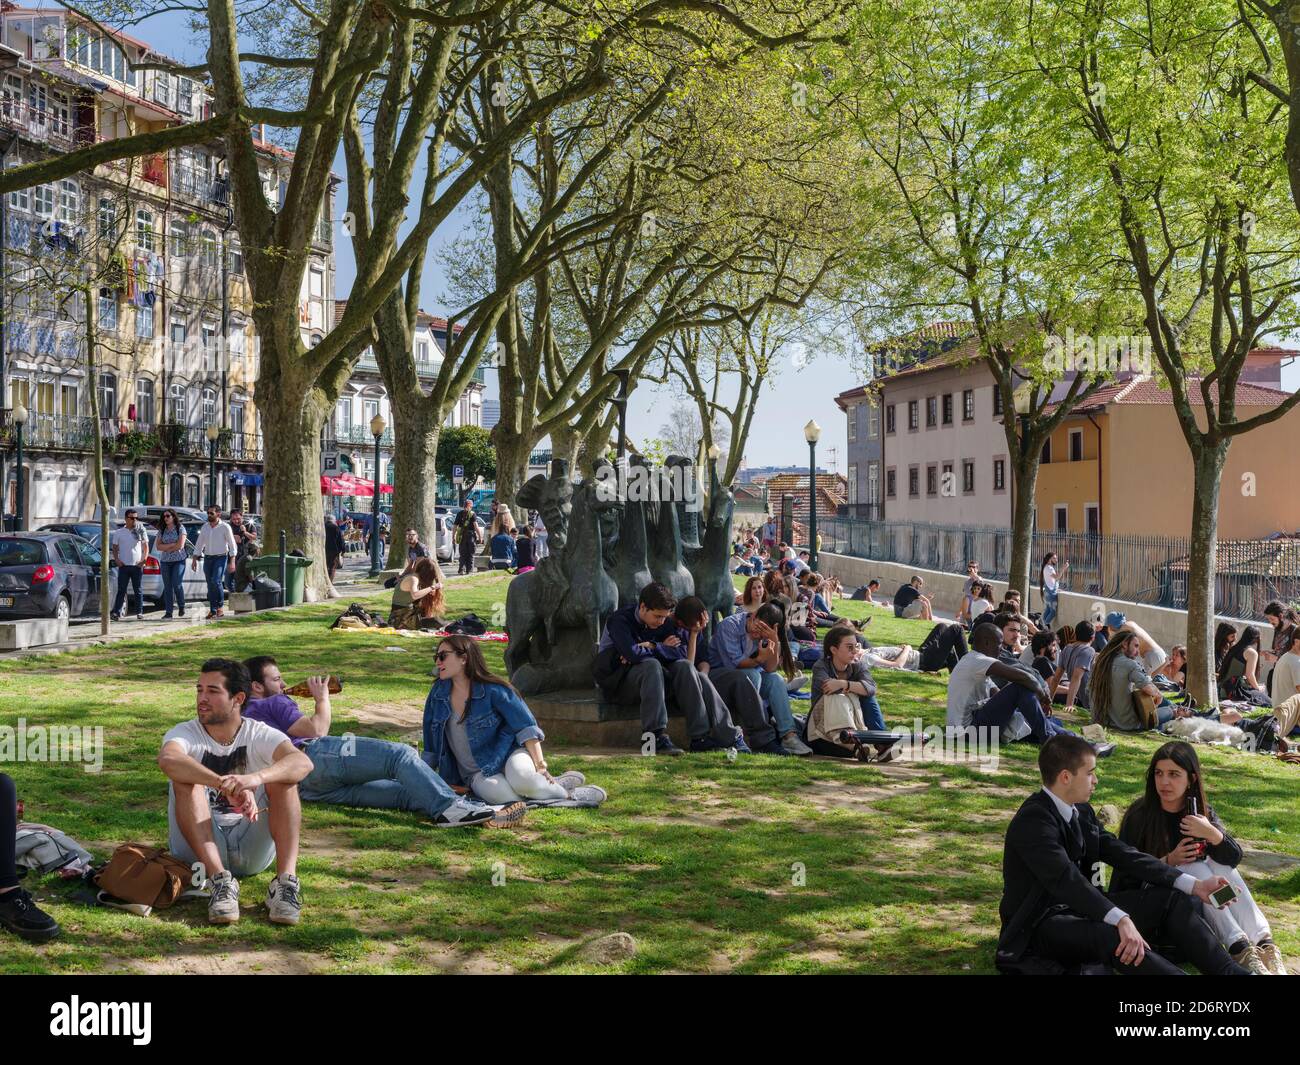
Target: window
[144,322]
[208,248]
[236,257]
[343,418]
[108,396]
[999,474]
[107,220]
[890,483]
[889,418]
[237,417]
[369,408]
[853,483]
[108,310]
[1061,517]
[68,397]
[932,480]
[931,412]
[176,490]
[873,420]
[997,400]
[873,483]
[211,355]
[176,403]
[913,415]
[178,339]
[1092,518]
[914,481]
[316,297]
[43,201]
[853,422]
[948,485]
[208,407]
[968,405]
[947,408]
[1046,456]
[1076,445]
[11,96]
[422,351]
[38,100]
[144,235]
[144,489]
[192,493]
[968,475]
[59,114]
[180,234]
[126,489]
[185,96]
[69,201]
[162,92]
[68,552]
[144,401]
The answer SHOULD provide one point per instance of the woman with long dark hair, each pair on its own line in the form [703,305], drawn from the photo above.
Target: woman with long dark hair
[1174,821]
[1239,674]
[1049,584]
[1225,635]
[170,550]
[479,733]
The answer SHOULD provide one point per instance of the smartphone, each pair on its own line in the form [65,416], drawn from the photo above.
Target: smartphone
[1223,896]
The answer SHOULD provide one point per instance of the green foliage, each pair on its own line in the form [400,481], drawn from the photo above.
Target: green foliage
[469,446]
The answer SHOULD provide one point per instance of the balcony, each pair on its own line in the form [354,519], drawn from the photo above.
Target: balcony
[50,432]
[357,435]
[199,186]
[57,432]
[40,125]
[425,370]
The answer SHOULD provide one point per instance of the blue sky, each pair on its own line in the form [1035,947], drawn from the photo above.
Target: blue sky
[790,400]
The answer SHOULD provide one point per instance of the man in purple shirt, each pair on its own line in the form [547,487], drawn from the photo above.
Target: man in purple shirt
[360,770]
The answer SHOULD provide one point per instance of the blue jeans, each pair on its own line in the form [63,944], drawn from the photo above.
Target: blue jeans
[133,575]
[776,697]
[214,571]
[999,710]
[375,774]
[173,578]
[871,712]
[1049,607]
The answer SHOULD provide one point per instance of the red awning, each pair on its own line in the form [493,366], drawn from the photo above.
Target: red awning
[347,484]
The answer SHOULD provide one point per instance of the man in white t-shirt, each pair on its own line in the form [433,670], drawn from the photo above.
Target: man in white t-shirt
[227,770]
[129,548]
[1021,710]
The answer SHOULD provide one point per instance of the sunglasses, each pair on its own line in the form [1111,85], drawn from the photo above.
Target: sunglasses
[446,654]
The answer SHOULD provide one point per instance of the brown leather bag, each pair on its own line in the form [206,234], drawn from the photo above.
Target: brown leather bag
[145,875]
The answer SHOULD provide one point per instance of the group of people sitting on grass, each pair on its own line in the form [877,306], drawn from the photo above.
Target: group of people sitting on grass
[239,770]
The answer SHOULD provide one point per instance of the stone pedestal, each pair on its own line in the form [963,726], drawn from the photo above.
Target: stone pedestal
[583,716]
[241,602]
[33,632]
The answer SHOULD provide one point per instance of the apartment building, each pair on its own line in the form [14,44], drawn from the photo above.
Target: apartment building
[348,446]
[176,349]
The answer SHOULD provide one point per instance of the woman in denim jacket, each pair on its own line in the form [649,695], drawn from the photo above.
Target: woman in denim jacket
[479,733]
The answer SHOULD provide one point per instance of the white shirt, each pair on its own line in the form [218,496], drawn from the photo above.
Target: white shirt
[969,687]
[252,750]
[215,540]
[1286,677]
[1049,577]
[131,544]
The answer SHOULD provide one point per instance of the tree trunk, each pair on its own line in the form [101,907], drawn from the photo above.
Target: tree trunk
[1207,463]
[416,428]
[292,417]
[566,444]
[1022,524]
[97,471]
[512,465]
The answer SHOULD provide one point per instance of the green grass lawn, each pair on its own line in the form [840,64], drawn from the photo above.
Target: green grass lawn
[761,865]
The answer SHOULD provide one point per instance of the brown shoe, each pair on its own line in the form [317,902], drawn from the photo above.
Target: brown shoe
[509,816]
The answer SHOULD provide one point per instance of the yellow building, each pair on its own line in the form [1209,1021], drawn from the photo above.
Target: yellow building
[1119,464]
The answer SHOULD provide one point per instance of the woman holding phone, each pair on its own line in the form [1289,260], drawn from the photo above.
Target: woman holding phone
[1174,821]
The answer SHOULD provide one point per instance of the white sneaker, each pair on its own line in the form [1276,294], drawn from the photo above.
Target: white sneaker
[284,899]
[796,682]
[792,743]
[223,905]
[570,780]
[590,793]
[464,812]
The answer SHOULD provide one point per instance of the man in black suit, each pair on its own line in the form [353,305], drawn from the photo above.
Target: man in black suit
[1053,906]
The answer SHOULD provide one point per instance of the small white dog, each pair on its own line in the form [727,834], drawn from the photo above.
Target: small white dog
[1204,730]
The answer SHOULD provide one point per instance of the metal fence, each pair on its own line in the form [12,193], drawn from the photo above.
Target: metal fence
[1138,569]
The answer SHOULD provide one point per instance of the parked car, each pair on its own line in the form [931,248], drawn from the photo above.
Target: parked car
[151,586]
[444,548]
[49,575]
[152,515]
[88,530]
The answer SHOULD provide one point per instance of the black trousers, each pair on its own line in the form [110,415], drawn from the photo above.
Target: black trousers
[942,649]
[8,831]
[1162,915]
[467,556]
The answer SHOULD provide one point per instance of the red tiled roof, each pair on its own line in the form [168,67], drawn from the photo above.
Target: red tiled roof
[1146,391]
[1278,556]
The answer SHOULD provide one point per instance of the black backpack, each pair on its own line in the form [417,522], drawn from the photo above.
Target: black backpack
[470,625]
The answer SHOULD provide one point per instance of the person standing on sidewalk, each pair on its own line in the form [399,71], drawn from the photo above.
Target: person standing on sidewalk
[245,545]
[334,545]
[216,546]
[467,537]
[171,560]
[130,547]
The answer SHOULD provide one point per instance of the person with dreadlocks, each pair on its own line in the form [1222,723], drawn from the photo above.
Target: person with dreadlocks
[1117,675]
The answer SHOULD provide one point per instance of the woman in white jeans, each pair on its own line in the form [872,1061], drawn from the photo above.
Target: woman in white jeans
[479,733]
[1174,822]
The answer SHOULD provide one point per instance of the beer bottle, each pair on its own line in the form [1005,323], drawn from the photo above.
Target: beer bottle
[335,686]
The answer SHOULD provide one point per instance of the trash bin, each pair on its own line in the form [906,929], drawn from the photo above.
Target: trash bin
[266,592]
[295,573]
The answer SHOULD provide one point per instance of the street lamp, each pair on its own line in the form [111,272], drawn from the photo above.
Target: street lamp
[20,419]
[212,434]
[812,432]
[377,427]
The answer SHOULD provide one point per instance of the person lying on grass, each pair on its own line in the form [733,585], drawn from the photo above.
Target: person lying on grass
[479,733]
[360,770]
[224,772]
[1174,822]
